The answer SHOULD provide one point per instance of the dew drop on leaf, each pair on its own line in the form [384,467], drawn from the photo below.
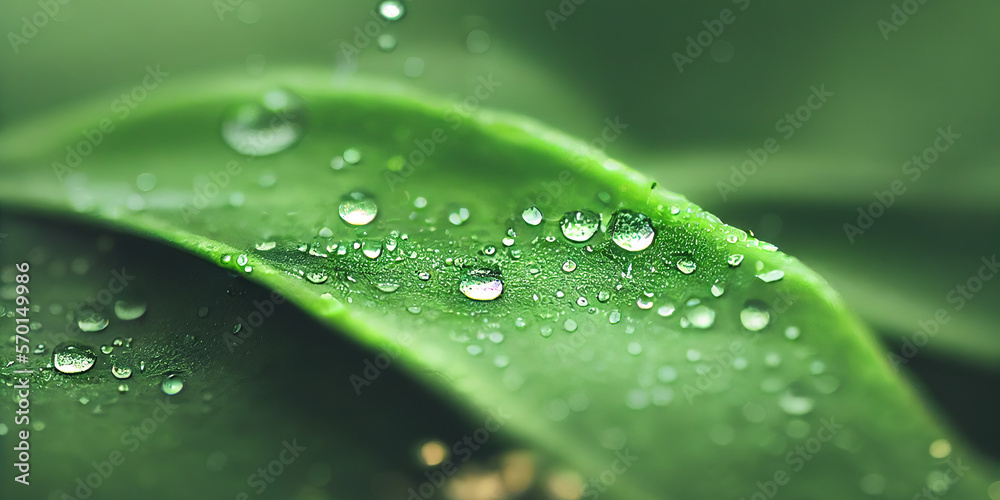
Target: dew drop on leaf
[130,309]
[266,127]
[755,315]
[172,384]
[481,284]
[358,208]
[73,358]
[686,266]
[631,231]
[92,321]
[532,216]
[580,225]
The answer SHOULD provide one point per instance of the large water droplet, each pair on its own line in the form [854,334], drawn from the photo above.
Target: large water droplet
[630,230]
[121,372]
[391,10]
[172,384]
[266,127]
[73,358]
[387,286]
[771,276]
[130,309]
[580,225]
[482,284]
[358,208]
[372,249]
[92,321]
[755,315]
[532,216]
[700,316]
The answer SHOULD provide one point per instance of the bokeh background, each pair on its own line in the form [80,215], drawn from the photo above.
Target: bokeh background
[898,71]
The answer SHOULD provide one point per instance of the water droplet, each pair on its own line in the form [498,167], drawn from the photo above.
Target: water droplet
[532,216]
[172,384]
[458,215]
[122,388]
[482,284]
[387,286]
[582,301]
[603,296]
[265,245]
[792,332]
[372,249]
[420,202]
[414,309]
[795,405]
[569,266]
[755,315]
[735,259]
[634,348]
[474,350]
[121,372]
[507,242]
[520,323]
[614,317]
[92,321]
[269,126]
[73,358]
[771,276]
[718,290]
[317,278]
[643,303]
[630,230]
[358,208]
[700,316]
[570,325]
[130,309]
[107,349]
[546,331]
[580,225]
[242,260]
[666,310]
[424,276]
[352,156]
[386,42]
[325,232]
[489,250]
[391,10]
[686,266]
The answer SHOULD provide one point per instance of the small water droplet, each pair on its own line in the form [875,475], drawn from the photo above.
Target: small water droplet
[735,260]
[372,249]
[582,302]
[570,325]
[107,349]
[458,215]
[130,309]
[387,286]
[792,332]
[269,126]
[686,266]
[424,276]
[386,42]
[474,350]
[73,358]
[643,303]
[489,250]
[634,348]
[92,321]
[358,208]
[569,266]
[122,388]
[700,316]
[172,384]
[795,405]
[482,284]
[718,290]
[693,355]
[755,315]
[603,296]
[532,216]
[121,372]
[546,331]
[317,278]
[352,156]
[614,317]
[391,10]
[580,225]
[414,309]
[771,276]
[242,260]
[666,310]
[632,231]
[265,245]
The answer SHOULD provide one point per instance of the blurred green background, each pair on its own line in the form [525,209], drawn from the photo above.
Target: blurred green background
[576,66]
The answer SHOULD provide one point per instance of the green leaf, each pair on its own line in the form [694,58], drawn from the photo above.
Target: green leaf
[708,412]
